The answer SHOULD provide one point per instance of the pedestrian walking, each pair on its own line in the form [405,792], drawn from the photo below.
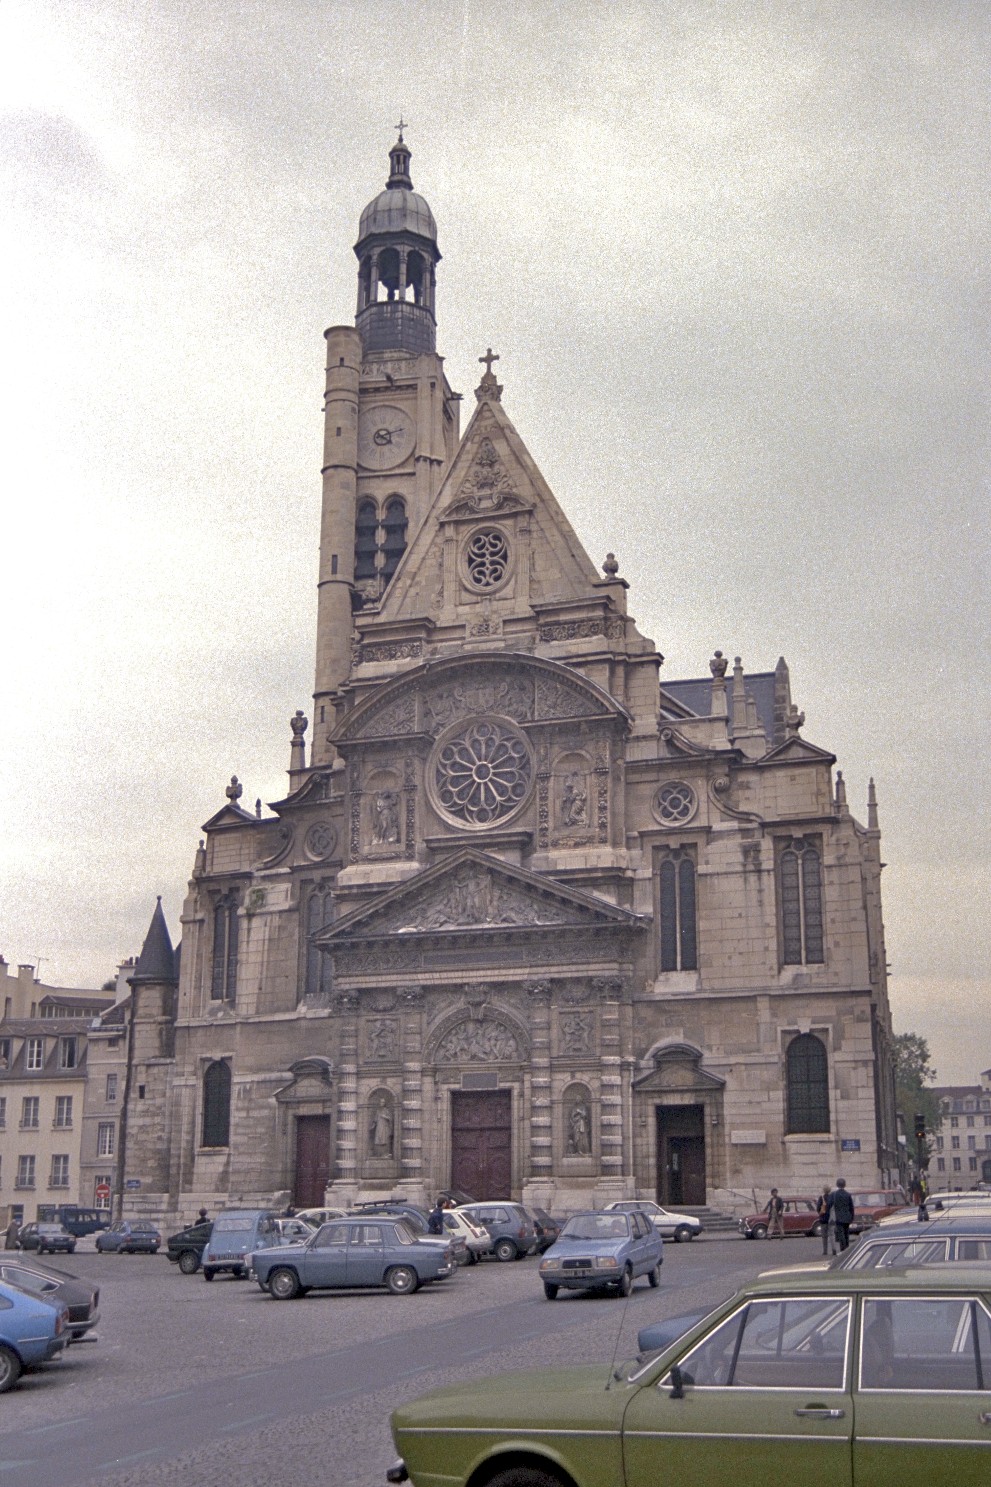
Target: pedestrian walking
[10,1237]
[775,1216]
[825,1211]
[842,1212]
[435,1223]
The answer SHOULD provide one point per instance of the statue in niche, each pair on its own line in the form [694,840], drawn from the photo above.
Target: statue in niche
[579,1130]
[381,1127]
[383,1041]
[573,802]
[385,818]
[576,1032]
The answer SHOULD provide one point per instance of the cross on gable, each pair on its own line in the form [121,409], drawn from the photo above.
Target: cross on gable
[489,357]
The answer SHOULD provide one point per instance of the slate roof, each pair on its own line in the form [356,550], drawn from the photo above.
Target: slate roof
[696,694]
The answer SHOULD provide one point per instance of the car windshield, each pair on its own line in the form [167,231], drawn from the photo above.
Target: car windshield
[236,1226]
[143,1229]
[597,1226]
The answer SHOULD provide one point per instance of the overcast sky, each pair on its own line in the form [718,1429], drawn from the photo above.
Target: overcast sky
[734,260]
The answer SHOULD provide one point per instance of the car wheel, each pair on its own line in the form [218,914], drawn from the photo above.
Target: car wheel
[472,1257]
[654,1276]
[208,1272]
[505,1249]
[759,1231]
[189,1262]
[525,1476]
[683,1234]
[626,1282]
[10,1369]
[550,1290]
[283,1284]
[402,1280]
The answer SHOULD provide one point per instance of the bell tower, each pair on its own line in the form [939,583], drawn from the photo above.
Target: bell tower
[391,424]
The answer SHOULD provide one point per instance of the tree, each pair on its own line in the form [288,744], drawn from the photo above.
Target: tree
[913,1072]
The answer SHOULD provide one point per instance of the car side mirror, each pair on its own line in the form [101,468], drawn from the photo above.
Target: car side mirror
[678,1380]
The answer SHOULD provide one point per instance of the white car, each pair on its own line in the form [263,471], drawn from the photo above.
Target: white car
[677,1226]
[315,1217]
[477,1239]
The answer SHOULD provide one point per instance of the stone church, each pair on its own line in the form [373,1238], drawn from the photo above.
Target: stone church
[532,920]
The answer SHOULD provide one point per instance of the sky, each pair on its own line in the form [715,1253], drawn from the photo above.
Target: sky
[734,262]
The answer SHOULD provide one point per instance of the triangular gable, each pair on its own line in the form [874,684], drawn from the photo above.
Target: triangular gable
[797,751]
[314,790]
[227,817]
[494,475]
[472,892]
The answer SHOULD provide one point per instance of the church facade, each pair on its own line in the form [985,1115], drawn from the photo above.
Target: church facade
[531,920]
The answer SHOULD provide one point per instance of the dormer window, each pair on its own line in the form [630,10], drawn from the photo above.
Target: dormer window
[34,1056]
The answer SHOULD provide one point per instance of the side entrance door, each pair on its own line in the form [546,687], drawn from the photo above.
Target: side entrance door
[481,1143]
[312,1160]
[680,1155]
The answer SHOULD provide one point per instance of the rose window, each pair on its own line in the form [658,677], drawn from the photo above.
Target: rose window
[486,559]
[482,773]
[675,803]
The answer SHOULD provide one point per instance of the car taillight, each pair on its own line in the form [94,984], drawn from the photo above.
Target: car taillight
[59,1323]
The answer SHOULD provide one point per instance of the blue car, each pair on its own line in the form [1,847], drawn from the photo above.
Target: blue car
[603,1249]
[31,1331]
[129,1237]
[370,1250]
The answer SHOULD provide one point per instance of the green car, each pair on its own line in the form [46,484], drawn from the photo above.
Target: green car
[870,1378]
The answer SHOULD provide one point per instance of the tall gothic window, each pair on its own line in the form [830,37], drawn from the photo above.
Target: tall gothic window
[318,978]
[223,980]
[394,541]
[217,1104]
[679,948]
[365,539]
[378,545]
[807,1082]
[800,883]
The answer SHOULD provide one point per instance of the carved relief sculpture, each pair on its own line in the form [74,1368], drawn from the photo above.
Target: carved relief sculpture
[385,818]
[576,1032]
[383,1039]
[573,802]
[483,1041]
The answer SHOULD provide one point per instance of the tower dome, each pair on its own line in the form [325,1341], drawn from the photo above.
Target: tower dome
[397,259]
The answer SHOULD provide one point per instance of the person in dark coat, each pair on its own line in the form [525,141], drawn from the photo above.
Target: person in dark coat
[435,1224]
[841,1211]
[775,1210]
[10,1238]
[828,1227]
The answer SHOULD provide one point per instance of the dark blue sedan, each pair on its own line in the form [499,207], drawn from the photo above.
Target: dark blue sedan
[602,1249]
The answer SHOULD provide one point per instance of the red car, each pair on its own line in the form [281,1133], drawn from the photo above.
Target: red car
[799,1217]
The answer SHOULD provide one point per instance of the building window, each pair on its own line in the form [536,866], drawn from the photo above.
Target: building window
[319,968]
[956,1164]
[394,539]
[972,1164]
[800,879]
[63,1111]
[970,1121]
[102,1188]
[105,1134]
[365,540]
[4,1053]
[971,1142]
[807,1078]
[955,1142]
[35,1056]
[217,1104]
[60,1172]
[67,1053]
[679,948]
[225,936]
[954,1122]
[111,1088]
[939,1143]
[940,1164]
[25,1172]
[3,1111]
[30,1113]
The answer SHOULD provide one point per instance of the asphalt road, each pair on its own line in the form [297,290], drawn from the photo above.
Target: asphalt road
[194,1384]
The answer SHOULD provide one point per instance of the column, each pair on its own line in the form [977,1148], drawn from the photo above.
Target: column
[411,1112]
[541,1175]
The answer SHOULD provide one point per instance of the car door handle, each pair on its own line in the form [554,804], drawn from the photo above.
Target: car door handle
[985,1417]
[819,1412]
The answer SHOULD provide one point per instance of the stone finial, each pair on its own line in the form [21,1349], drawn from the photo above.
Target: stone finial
[739,716]
[718,666]
[795,721]
[841,804]
[872,822]
[489,389]
[297,753]
[258,807]
[610,567]
[299,723]
[234,790]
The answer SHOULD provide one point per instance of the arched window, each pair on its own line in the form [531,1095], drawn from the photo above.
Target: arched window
[395,525]
[365,540]
[800,886]
[807,1079]
[223,979]
[217,1104]
[679,948]
[318,978]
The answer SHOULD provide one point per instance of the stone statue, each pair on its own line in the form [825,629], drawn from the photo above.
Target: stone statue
[381,1128]
[573,811]
[383,1038]
[580,1131]
[385,818]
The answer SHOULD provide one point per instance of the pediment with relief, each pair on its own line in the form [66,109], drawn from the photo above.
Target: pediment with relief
[474,892]
[485,489]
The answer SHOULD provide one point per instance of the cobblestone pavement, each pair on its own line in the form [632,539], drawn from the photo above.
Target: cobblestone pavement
[195,1384]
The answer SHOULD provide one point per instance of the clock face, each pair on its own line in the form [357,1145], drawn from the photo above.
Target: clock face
[386,437]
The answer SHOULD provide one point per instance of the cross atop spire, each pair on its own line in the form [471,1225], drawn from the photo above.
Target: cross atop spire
[400,126]
[489,388]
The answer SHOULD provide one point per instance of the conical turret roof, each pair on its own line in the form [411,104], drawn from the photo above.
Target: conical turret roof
[157,961]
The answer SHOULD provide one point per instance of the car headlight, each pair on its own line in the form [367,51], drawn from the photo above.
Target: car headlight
[550,1264]
[606,1262]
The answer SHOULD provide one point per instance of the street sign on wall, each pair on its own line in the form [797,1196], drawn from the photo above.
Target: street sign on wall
[849,1144]
[132,1184]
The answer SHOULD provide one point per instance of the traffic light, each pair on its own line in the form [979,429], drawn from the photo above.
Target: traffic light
[920,1126]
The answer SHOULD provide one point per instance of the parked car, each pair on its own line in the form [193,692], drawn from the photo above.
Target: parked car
[547,1229]
[418,1218]
[50,1238]
[965,1238]
[318,1216]
[871,1207]
[80,1297]
[469,1242]
[874,1376]
[129,1237]
[680,1227]
[78,1221]
[236,1233]
[32,1331]
[354,1251]
[294,1230]
[509,1224]
[799,1217]
[185,1248]
[602,1249]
